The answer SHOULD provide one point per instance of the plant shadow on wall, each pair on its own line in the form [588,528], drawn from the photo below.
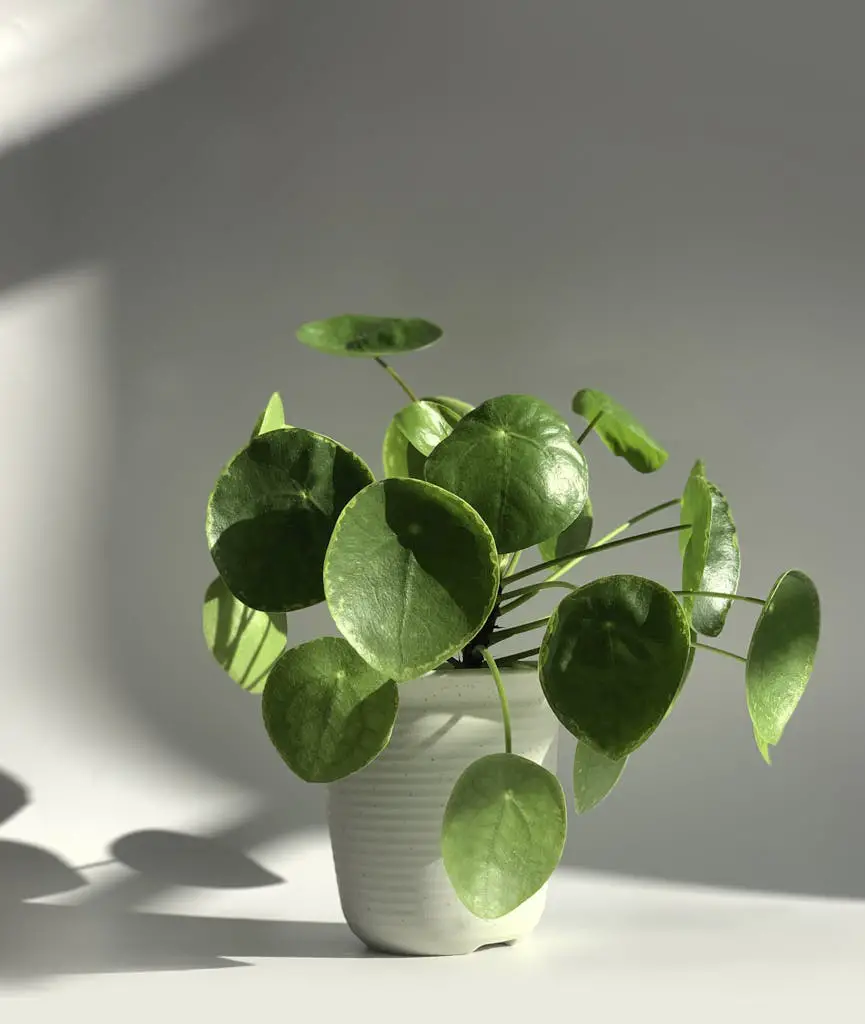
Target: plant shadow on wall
[103,931]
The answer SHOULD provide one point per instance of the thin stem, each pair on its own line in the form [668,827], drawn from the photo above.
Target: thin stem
[590,427]
[596,548]
[397,378]
[715,593]
[512,563]
[522,594]
[511,659]
[720,650]
[503,697]
[524,627]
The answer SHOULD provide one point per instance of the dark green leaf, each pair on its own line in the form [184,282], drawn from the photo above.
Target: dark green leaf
[711,559]
[244,641]
[624,435]
[399,457]
[573,539]
[503,833]
[423,424]
[368,336]
[515,460]
[271,513]
[781,654]
[411,575]
[326,711]
[272,417]
[595,775]
[613,659]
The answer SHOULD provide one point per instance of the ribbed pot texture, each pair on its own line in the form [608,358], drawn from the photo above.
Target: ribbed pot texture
[385,821]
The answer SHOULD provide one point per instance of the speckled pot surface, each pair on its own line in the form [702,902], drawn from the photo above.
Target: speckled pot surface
[385,821]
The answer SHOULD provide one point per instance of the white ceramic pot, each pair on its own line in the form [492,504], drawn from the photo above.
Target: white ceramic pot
[385,821]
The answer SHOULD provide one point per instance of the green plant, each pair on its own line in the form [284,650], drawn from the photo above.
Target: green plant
[419,569]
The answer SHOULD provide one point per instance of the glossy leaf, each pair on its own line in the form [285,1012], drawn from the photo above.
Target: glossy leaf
[515,460]
[711,560]
[245,642]
[411,575]
[620,431]
[368,336]
[400,457]
[327,712]
[595,775]
[271,514]
[781,654]
[271,418]
[503,833]
[694,499]
[573,539]
[763,747]
[612,661]
[423,424]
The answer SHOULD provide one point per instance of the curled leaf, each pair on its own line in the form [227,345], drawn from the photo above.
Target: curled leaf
[368,336]
[620,431]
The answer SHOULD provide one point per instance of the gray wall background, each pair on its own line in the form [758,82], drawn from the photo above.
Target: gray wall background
[662,200]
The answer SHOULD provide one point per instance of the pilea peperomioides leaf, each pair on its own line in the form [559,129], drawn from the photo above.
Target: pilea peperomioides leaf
[516,461]
[368,336]
[423,424]
[503,833]
[781,655]
[573,539]
[244,641]
[595,775]
[711,559]
[620,431]
[326,711]
[400,457]
[271,418]
[271,514]
[612,661]
[411,575]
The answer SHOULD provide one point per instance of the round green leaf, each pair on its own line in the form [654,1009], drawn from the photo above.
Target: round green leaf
[244,641]
[368,336]
[272,417]
[711,559]
[423,425]
[326,711]
[624,435]
[411,575]
[595,775]
[400,457]
[503,833]
[781,654]
[515,460]
[612,661]
[271,514]
[573,539]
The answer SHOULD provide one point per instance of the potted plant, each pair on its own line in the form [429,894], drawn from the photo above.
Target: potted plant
[445,813]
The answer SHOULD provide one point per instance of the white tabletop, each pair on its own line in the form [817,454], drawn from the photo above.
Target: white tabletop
[129,945]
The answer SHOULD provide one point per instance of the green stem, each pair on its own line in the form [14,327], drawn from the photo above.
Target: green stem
[511,659]
[720,650]
[590,427]
[523,627]
[595,549]
[715,593]
[522,594]
[397,378]
[503,697]
[512,563]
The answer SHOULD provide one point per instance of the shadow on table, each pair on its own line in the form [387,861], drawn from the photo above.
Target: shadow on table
[105,933]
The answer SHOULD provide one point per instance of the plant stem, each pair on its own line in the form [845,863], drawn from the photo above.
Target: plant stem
[519,656]
[512,563]
[715,593]
[720,650]
[595,548]
[530,591]
[397,378]
[503,697]
[523,627]
[590,427]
